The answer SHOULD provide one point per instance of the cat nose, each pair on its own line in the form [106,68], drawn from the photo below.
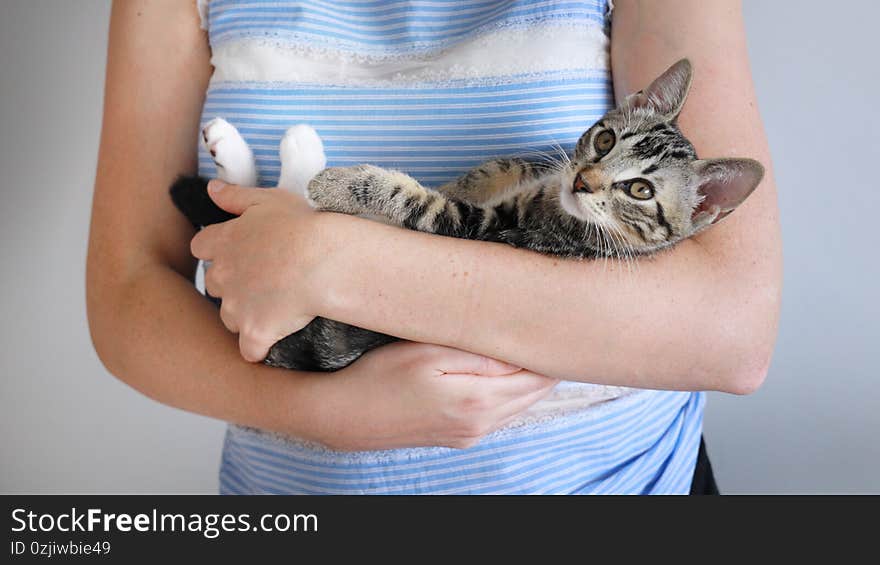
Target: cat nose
[580,185]
[586,181]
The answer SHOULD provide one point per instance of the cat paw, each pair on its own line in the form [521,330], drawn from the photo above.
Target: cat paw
[341,189]
[302,157]
[230,152]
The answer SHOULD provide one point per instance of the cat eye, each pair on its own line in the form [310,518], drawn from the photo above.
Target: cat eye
[640,190]
[604,142]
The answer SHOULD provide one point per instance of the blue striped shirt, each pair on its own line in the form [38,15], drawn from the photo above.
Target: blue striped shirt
[433,88]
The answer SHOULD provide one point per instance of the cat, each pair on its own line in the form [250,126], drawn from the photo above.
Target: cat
[632,187]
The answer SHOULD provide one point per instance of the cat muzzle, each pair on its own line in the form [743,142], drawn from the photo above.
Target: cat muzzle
[590,180]
[581,185]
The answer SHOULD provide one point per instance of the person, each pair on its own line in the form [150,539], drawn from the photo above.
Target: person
[520,373]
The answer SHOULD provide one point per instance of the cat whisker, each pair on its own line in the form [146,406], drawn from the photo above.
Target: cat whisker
[563,154]
[626,249]
[618,247]
[606,247]
[557,160]
[615,246]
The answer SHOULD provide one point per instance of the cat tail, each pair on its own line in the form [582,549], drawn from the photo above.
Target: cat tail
[190,195]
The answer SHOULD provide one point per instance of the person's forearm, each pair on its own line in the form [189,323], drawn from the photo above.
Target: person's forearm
[660,326]
[702,316]
[158,335]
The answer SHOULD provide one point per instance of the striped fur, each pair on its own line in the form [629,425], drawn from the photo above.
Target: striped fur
[536,205]
[525,214]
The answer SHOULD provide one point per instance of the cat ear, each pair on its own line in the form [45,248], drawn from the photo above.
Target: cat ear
[723,184]
[666,95]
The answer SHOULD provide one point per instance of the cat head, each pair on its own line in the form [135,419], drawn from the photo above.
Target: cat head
[638,179]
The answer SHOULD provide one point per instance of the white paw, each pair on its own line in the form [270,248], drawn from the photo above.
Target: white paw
[234,159]
[302,157]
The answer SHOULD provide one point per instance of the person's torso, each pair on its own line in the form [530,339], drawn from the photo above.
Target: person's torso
[433,88]
[429,87]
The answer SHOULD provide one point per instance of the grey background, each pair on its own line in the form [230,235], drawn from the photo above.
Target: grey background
[66,425]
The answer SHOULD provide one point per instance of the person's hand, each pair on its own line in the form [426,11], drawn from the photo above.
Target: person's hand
[261,264]
[412,394]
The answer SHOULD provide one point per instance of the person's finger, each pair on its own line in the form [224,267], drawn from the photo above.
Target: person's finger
[253,346]
[228,317]
[456,361]
[509,411]
[203,244]
[496,416]
[508,386]
[214,280]
[524,382]
[233,198]
[527,388]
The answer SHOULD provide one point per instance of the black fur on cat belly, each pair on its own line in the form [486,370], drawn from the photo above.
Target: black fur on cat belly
[190,195]
[323,345]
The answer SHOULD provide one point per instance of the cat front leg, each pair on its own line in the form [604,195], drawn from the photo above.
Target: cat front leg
[302,157]
[363,189]
[395,198]
[389,196]
[230,152]
[491,180]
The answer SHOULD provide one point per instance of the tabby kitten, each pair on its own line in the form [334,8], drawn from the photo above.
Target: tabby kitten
[633,186]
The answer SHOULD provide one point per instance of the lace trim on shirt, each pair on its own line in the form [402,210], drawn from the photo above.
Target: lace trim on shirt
[321,453]
[509,51]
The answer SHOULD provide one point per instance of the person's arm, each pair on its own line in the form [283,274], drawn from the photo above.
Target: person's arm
[701,316]
[148,324]
[153,330]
